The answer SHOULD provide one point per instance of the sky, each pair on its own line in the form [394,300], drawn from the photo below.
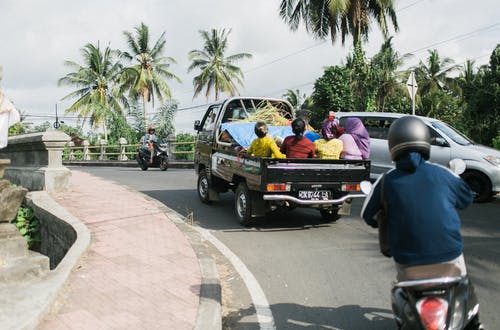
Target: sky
[37,36]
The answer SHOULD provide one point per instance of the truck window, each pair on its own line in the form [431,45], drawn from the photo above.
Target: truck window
[210,118]
[234,111]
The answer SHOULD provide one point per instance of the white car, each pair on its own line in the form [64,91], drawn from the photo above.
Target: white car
[482,163]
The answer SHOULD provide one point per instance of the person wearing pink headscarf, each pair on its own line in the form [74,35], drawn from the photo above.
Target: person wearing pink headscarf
[357,130]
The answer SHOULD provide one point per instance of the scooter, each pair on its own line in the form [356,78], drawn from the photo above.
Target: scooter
[441,299]
[154,155]
[436,304]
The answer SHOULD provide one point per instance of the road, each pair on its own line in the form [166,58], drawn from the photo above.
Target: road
[317,276]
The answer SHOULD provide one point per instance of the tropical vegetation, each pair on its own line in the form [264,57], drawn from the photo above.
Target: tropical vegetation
[218,71]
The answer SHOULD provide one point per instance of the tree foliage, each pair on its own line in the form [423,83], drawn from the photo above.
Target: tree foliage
[218,72]
[332,91]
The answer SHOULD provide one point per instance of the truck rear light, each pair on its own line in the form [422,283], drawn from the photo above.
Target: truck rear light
[351,187]
[278,187]
[433,312]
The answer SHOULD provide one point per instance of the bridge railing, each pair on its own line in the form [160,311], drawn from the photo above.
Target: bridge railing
[122,151]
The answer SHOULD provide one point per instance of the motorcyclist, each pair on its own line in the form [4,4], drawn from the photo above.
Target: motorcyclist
[149,140]
[420,226]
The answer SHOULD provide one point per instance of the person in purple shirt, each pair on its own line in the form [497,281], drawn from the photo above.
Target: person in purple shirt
[357,130]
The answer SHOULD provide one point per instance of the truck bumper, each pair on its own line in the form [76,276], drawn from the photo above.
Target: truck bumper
[275,197]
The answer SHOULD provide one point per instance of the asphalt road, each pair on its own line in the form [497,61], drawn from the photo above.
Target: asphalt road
[318,276]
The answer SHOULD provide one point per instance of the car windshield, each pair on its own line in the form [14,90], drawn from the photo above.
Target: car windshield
[452,133]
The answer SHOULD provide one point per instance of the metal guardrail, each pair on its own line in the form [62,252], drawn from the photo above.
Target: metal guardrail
[121,152]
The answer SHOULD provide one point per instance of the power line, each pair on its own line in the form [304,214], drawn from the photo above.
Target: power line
[461,37]
[408,6]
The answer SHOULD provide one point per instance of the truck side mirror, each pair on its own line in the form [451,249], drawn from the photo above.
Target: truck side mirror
[197,125]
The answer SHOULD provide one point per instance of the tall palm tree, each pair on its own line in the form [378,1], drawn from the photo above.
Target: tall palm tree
[217,71]
[146,76]
[98,94]
[433,74]
[297,99]
[385,65]
[325,18]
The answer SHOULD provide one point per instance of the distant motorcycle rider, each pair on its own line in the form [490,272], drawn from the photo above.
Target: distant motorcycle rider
[149,139]
[420,225]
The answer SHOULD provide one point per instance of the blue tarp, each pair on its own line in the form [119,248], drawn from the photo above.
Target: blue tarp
[243,133]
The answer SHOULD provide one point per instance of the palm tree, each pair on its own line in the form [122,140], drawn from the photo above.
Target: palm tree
[325,18]
[296,99]
[146,77]
[433,75]
[98,94]
[384,66]
[217,71]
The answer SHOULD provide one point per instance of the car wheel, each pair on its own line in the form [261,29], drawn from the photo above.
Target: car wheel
[480,185]
[243,204]
[203,187]
[330,215]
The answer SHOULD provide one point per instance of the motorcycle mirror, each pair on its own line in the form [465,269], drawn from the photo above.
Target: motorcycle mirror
[366,187]
[457,166]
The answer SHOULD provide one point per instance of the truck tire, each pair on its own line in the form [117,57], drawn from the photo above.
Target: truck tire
[330,215]
[243,204]
[480,185]
[203,187]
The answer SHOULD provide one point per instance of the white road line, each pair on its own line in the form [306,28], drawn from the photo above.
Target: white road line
[264,313]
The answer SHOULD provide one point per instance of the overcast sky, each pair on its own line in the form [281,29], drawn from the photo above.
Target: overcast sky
[37,36]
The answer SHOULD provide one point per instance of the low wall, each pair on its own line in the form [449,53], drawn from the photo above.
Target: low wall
[57,235]
[36,161]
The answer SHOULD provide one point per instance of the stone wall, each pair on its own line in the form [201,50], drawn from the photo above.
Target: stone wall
[57,235]
[36,161]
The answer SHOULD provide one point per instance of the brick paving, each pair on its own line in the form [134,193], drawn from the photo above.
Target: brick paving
[140,271]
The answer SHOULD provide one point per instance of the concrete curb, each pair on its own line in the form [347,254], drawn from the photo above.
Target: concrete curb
[38,298]
[209,311]
[128,163]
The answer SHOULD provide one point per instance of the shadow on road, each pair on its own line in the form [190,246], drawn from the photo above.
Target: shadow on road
[296,317]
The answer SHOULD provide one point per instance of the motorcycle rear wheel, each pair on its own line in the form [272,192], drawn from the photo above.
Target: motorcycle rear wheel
[163,164]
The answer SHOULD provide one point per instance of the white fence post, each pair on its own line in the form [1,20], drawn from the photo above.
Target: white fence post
[71,155]
[103,144]
[122,142]
[86,155]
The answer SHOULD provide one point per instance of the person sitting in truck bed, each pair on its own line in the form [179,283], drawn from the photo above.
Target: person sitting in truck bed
[264,145]
[297,146]
[329,147]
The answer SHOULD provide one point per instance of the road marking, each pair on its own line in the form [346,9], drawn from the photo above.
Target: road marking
[264,313]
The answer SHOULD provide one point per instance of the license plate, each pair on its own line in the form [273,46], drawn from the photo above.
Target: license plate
[314,195]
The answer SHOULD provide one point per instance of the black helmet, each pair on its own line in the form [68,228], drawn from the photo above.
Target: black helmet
[406,134]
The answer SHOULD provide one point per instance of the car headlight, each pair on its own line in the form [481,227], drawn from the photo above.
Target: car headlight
[493,160]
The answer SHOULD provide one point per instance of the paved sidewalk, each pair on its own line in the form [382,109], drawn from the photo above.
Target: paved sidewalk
[140,271]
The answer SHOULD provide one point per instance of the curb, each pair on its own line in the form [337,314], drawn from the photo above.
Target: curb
[126,163]
[210,310]
[38,298]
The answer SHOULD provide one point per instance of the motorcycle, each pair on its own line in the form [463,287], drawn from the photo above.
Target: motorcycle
[154,155]
[440,299]
[436,304]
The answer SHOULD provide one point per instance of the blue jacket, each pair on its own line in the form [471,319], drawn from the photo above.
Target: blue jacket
[423,226]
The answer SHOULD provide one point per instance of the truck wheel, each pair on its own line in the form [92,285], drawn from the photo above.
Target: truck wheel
[203,186]
[480,185]
[330,215]
[243,204]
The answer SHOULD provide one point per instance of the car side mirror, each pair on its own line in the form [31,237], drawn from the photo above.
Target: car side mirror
[439,141]
[197,125]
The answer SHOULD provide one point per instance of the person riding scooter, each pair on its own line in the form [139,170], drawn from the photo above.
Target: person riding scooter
[148,140]
[151,153]
[419,226]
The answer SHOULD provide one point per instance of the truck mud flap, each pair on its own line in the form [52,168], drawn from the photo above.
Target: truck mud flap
[259,205]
